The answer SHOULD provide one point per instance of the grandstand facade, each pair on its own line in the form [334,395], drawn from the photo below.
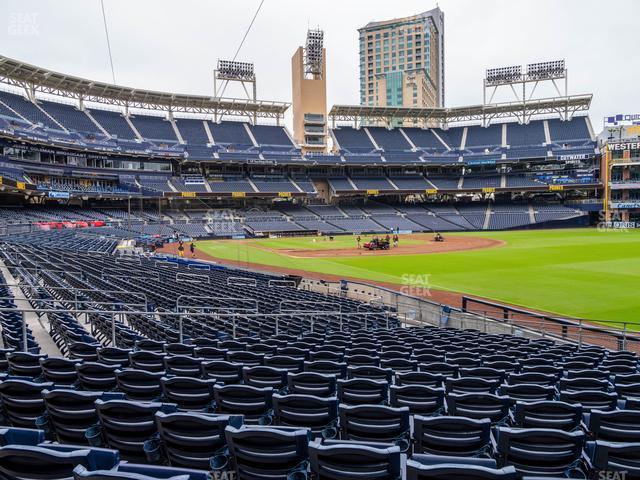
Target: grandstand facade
[621,162]
[65,140]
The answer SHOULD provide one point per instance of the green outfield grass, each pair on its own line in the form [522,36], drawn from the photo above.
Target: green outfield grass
[582,273]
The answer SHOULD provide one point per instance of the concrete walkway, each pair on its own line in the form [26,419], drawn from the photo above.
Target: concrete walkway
[39,327]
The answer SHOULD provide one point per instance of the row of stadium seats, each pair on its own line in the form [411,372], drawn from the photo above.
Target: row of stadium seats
[325,219]
[297,384]
[64,124]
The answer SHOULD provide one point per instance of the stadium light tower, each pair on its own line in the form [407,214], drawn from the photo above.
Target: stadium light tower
[309,94]
[233,71]
[314,54]
[534,74]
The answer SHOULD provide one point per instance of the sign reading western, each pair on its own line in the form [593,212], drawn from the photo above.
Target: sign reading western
[615,147]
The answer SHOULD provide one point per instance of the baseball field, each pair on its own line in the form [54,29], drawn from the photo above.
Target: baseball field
[583,273]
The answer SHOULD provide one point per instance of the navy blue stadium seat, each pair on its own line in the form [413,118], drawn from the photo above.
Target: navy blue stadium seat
[420,399]
[435,467]
[262,376]
[132,471]
[179,349]
[125,426]
[265,453]
[318,414]
[581,384]
[183,366]
[20,436]
[311,383]
[291,364]
[372,423]
[147,360]
[327,367]
[420,378]
[252,402]
[362,391]
[139,385]
[614,425]
[619,457]
[452,436]
[84,351]
[188,393]
[61,371]
[526,392]
[24,364]
[70,412]
[485,373]
[149,345]
[591,399]
[541,451]
[224,372]
[52,462]
[479,405]
[342,460]
[96,377]
[471,385]
[371,372]
[547,414]
[21,402]
[188,439]
[114,356]
[246,359]
[209,353]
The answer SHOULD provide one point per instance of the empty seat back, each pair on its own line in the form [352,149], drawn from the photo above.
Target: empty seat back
[252,402]
[431,467]
[126,425]
[362,391]
[373,423]
[188,439]
[318,414]
[188,393]
[139,385]
[353,461]
[22,401]
[420,399]
[540,451]
[267,452]
[311,383]
[548,414]
[454,436]
[71,412]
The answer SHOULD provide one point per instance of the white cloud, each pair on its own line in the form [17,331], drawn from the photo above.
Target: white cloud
[174,45]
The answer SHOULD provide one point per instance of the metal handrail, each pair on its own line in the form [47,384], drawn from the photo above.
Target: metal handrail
[123,313]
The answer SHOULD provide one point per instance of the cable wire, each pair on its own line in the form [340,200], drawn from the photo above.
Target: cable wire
[106,32]
[246,33]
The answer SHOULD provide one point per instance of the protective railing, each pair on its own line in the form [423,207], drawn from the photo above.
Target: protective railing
[337,321]
[617,335]
[488,317]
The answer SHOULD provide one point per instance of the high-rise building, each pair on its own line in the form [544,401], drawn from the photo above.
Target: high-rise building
[402,61]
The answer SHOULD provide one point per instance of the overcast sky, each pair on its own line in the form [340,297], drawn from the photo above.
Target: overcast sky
[174,45]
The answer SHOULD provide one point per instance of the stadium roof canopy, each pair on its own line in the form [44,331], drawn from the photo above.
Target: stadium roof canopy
[36,79]
[565,107]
